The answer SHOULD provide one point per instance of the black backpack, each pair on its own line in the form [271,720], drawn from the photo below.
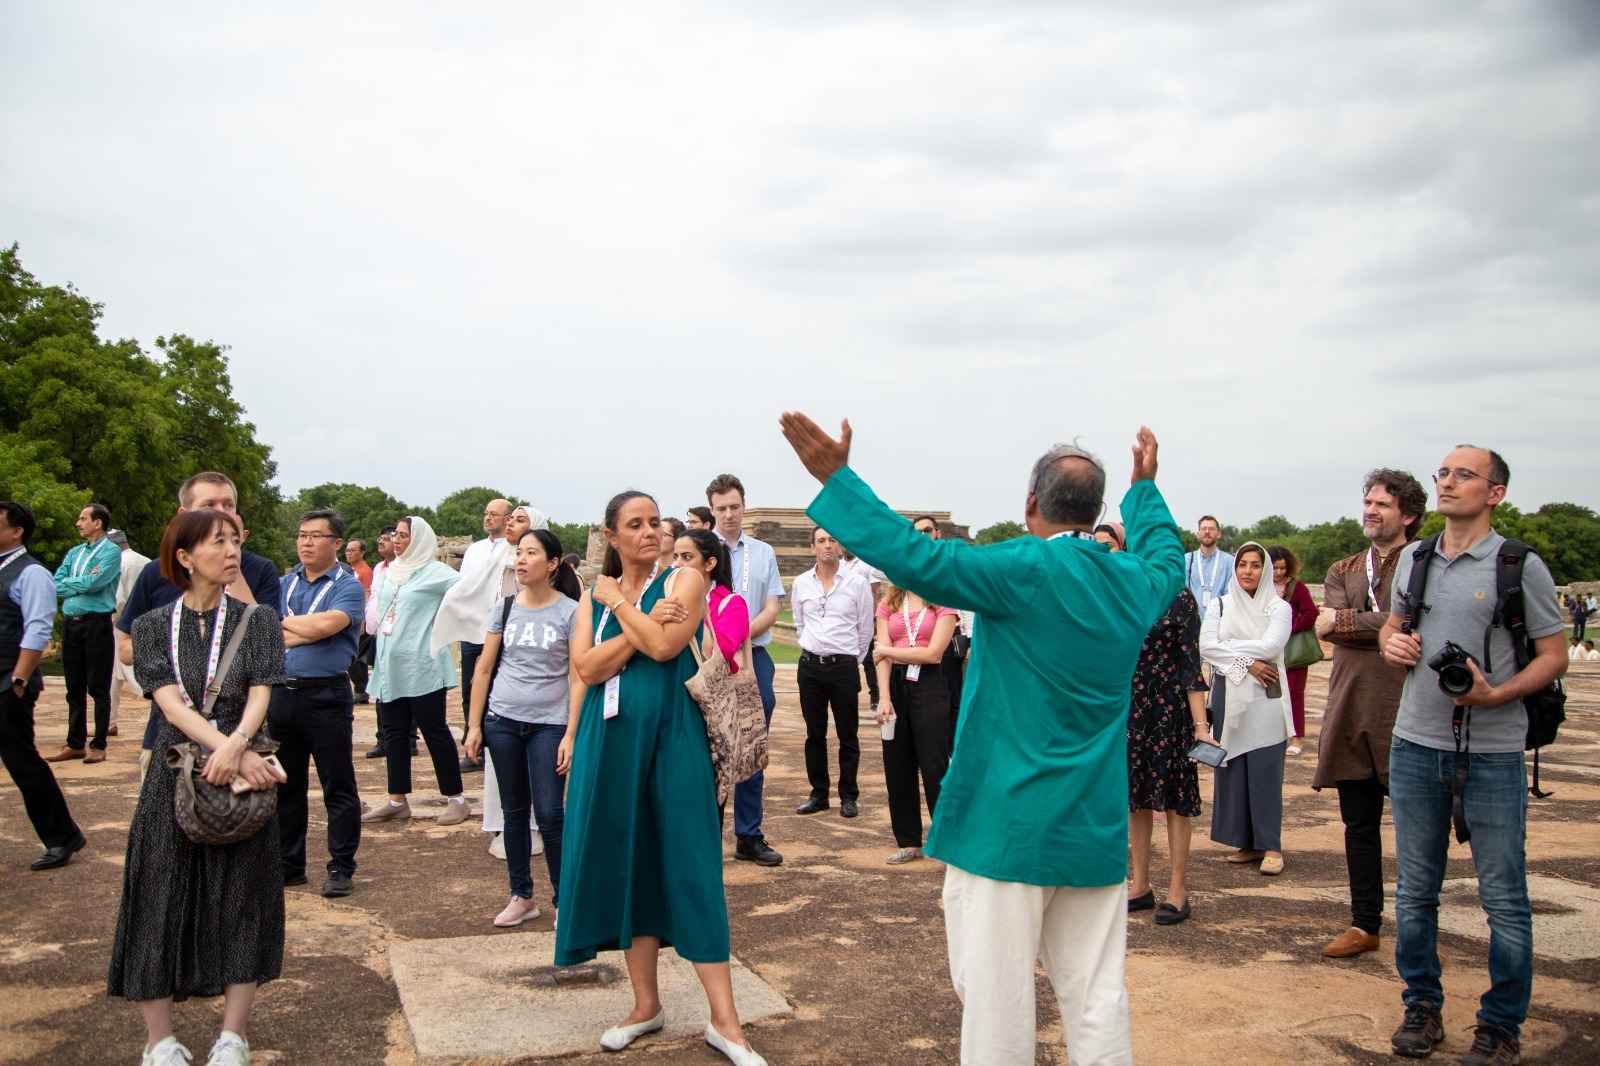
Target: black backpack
[1547,707]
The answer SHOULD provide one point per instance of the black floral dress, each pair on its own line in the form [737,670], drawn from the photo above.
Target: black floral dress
[196,918]
[1161,776]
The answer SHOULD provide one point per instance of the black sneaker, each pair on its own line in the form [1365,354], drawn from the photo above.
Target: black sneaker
[293,880]
[1419,1033]
[758,851]
[1492,1046]
[812,806]
[375,752]
[335,886]
[848,809]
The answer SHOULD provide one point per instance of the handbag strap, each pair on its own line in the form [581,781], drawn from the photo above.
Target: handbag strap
[226,662]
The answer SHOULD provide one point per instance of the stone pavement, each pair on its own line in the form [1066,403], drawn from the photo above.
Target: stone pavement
[846,953]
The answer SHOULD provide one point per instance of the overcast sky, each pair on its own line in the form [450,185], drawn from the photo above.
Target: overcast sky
[569,248]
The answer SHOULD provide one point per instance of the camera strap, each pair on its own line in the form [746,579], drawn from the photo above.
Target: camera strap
[1461,727]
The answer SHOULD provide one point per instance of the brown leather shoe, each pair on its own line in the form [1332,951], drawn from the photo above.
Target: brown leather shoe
[111,731]
[1350,943]
[65,755]
[95,755]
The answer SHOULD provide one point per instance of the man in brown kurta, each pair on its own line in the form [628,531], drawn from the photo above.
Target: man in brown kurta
[1364,695]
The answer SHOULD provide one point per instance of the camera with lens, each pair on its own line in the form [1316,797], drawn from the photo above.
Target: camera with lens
[1450,663]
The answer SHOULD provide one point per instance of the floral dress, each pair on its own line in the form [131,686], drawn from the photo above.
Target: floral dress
[1161,776]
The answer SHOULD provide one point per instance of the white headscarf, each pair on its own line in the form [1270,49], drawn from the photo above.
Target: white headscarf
[1248,721]
[422,550]
[465,611]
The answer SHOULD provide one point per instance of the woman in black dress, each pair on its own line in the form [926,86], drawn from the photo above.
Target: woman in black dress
[200,920]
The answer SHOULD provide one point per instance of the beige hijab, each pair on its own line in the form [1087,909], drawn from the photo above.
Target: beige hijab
[423,549]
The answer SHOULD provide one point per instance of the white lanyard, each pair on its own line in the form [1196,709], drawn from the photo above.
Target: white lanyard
[605,612]
[1075,534]
[316,601]
[1372,581]
[611,705]
[1209,581]
[81,563]
[211,660]
[905,618]
[13,557]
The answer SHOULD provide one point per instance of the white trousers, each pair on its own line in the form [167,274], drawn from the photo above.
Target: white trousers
[996,929]
[494,816]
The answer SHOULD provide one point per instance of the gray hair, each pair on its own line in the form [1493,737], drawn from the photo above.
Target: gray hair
[1067,496]
[118,537]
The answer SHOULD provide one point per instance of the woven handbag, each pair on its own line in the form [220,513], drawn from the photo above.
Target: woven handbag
[731,703]
[207,813]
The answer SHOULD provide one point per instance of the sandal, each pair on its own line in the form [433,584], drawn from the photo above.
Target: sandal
[1272,865]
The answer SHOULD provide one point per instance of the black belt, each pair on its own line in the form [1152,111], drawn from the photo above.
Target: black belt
[827,660]
[314,682]
[70,618]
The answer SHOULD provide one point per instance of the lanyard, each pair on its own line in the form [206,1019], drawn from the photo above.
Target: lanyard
[1075,534]
[13,557]
[605,612]
[316,601]
[1372,582]
[211,660]
[905,618]
[1209,581]
[81,563]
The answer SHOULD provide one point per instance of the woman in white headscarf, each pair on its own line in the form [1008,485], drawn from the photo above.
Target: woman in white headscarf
[1243,637]
[409,680]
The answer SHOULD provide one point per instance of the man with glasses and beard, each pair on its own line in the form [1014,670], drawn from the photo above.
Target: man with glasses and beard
[1208,570]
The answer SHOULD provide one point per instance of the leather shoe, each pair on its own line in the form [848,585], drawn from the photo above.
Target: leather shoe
[111,731]
[758,851]
[65,755]
[375,752]
[1146,902]
[95,755]
[58,856]
[1350,943]
[337,886]
[848,809]
[812,806]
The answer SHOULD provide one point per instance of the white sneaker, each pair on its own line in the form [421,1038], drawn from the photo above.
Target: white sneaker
[737,1054]
[1294,749]
[620,1036]
[167,1053]
[519,910]
[497,847]
[229,1050]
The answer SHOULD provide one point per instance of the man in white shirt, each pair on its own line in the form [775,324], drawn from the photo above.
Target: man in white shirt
[833,617]
[479,555]
[1208,571]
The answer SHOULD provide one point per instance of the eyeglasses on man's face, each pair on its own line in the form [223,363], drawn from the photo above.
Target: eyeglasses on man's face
[1460,474]
[303,535]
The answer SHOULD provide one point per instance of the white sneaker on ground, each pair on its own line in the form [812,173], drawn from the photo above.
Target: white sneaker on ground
[1294,749]
[738,1055]
[455,811]
[167,1052]
[497,846]
[620,1036]
[904,855]
[519,910]
[229,1050]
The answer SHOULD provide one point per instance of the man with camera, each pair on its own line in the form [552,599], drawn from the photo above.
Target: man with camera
[1458,744]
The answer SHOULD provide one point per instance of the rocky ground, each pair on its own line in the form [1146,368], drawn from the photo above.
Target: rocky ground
[856,947]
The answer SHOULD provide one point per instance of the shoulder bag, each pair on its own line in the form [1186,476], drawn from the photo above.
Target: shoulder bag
[1303,649]
[731,703]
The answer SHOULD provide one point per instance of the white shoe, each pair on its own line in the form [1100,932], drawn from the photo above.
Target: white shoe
[538,844]
[497,847]
[167,1053]
[620,1036]
[1294,749]
[519,910]
[229,1050]
[739,1056]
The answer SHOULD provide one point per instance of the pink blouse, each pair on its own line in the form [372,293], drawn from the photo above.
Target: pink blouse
[897,624]
[730,621]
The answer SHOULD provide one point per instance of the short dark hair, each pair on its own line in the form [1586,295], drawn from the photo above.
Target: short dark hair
[1280,552]
[818,529]
[725,483]
[926,518]
[328,515]
[1499,472]
[186,530]
[1064,494]
[100,513]
[358,542]
[206,477]
[1406,490]
[674,526]
[704,514]
[388,530]
[1208,518]
[18,517]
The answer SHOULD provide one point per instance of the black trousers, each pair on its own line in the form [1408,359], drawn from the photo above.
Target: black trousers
[1361,810]
[835,684]
[41,796]
[315,724]
[426,713]
[871,669]
[921,747]
[469,663]
[87,652]
[361,666]
[954,668]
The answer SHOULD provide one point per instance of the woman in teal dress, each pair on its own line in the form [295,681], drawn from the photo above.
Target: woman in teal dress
[642,848]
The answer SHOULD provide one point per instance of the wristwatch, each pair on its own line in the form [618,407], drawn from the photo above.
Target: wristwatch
[18,682]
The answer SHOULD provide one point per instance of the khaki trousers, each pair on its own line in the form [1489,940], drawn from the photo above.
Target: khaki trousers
[996,929]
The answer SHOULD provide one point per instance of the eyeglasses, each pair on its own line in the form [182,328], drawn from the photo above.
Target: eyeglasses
[1461,474]
[315,536]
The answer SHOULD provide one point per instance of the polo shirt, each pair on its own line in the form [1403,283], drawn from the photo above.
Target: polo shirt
[152,590]
[759,581]
[1460,595]
[337,590]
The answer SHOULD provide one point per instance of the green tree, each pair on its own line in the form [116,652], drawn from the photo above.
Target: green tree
[33,477]
[460,514]
[998,532]
[574,536]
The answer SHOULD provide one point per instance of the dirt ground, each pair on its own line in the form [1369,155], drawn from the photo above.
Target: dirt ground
[857,947]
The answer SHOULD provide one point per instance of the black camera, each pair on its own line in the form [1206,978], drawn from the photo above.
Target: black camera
[1450,663]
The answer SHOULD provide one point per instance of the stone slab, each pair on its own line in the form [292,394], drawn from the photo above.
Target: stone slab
[497,996]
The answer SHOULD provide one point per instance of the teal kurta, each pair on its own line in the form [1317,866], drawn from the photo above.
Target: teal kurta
[641,848]
[1037,790]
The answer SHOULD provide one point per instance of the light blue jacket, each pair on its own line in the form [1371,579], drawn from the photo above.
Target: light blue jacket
[404,667]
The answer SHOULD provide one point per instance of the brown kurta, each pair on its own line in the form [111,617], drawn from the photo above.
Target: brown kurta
[1363,690]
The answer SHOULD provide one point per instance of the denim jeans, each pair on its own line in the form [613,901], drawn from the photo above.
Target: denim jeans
[525,768]
[1496,809]
[747,795]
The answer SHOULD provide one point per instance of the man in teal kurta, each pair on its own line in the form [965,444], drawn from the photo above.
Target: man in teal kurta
[1032,820]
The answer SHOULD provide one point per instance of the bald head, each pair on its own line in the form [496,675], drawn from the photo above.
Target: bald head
[495,513]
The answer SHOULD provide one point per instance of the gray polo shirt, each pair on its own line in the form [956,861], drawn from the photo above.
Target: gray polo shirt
[1461,598]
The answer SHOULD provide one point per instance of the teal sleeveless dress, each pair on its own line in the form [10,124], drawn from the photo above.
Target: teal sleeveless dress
[641,849]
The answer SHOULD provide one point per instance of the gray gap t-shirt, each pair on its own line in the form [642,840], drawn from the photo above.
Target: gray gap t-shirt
[532,683]
[1461,597]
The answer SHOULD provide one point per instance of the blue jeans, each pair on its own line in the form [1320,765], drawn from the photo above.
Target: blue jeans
[525,768]
[1497,810]
[747,795]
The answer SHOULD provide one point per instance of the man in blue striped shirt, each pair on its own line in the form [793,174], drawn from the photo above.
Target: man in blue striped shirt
[86,581]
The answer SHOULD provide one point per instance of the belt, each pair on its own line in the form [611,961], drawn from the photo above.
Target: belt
[827,660]
[70,618]
[313,682]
